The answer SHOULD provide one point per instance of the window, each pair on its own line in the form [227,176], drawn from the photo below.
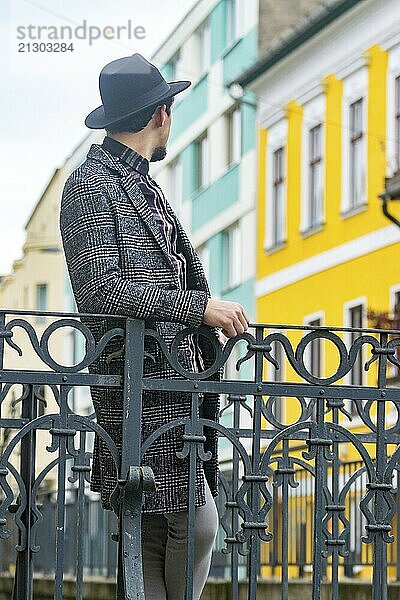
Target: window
[204,255]
[397,123]
[315,351]
[26,297]
[233,256]
[202,170]
[176,66]
[277,375]
[234,136]
[313,359]
[175,185]
[204,39]
[312,214]
[234,20]
[275,188]
[315,171]
[41,300]
[357,163]
[278,199]
[356,373]
[393,370]
[354,117]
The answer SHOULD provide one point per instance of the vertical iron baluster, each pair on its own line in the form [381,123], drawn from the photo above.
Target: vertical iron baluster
[235,516]
[60,512]
[80,507]
[253,566]
[335,503]
[23,579]
[191,496]
[320,472]
[379,580]
[285,515]
[130,583]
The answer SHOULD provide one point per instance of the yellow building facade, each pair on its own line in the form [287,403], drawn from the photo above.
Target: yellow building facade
[328,136]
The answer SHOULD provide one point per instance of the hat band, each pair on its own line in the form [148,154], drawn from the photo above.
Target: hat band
[141,100]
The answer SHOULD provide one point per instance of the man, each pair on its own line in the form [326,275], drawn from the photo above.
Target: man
[128,254]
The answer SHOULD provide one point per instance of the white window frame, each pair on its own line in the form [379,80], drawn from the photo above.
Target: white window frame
[272,372]
[392,72]
[234,135]
[233,35]
[204,42]
[203,252]
[307,320]
[307,353]
[355,86]
[38,307]
[363,301]
[234,258]
[202,158]
[276,138]
[176,62]
[314,113]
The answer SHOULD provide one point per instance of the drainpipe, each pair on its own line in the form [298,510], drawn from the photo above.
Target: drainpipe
[392,192]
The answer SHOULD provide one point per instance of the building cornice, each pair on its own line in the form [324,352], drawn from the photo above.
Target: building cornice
[307,29]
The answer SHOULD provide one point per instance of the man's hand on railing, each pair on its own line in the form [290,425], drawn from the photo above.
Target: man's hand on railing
[230,316]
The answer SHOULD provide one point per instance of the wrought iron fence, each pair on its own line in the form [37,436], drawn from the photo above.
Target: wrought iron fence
[283,438]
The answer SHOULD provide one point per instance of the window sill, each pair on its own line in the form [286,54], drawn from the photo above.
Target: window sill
[200,78]
[231,46]
[230,166]
[199,190]
[356,210]
[312,230]
[230,289]
[275,248]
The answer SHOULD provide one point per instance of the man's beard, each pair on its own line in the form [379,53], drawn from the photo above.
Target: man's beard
[158,153]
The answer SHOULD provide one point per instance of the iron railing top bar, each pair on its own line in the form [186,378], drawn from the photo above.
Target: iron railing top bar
[275,326]
[41,313]
[324,328]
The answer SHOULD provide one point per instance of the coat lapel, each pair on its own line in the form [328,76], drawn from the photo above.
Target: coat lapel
[129,183]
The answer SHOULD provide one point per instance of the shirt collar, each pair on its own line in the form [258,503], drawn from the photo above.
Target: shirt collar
[128,155]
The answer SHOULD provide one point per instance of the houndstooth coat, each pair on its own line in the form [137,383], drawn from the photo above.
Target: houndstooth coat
[118,263]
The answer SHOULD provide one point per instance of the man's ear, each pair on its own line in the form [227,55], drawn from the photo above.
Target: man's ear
[160,115]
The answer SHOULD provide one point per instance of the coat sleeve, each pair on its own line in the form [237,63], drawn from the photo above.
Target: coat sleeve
[90,246]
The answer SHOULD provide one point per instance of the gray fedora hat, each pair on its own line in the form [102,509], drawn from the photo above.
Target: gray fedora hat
[127,86]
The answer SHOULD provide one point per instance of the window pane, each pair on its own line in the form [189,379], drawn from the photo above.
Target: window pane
[357,159]
[205,49]
[204,161]
[41,300]
[233,256]
[278,200]
[315,169]
[356,321]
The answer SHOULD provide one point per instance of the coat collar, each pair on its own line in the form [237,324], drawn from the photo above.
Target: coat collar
[129,179]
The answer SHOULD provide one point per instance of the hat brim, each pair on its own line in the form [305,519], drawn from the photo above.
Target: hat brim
[98,120]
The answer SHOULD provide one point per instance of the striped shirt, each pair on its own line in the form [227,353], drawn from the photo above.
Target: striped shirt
[157,203]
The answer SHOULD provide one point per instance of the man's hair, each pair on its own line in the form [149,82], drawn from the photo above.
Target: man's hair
[139,120]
